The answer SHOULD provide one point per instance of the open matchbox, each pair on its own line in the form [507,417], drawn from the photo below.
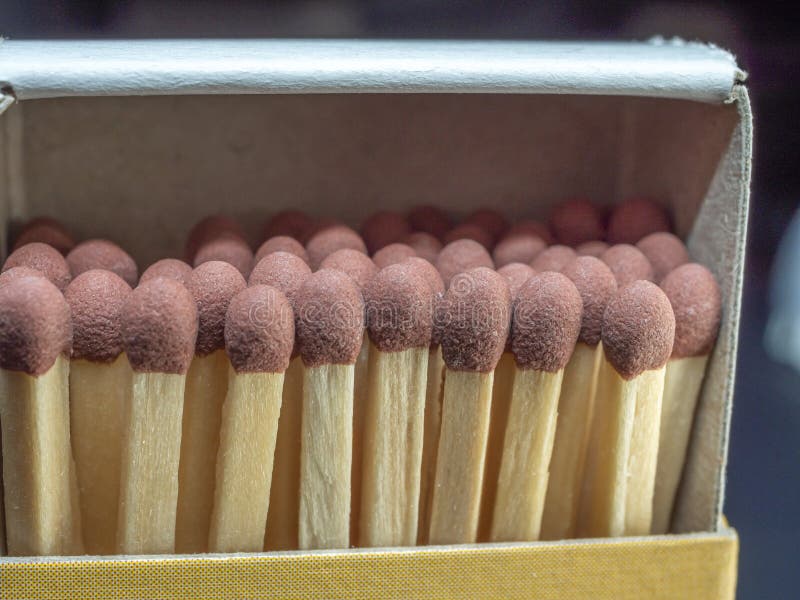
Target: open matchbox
[138,140]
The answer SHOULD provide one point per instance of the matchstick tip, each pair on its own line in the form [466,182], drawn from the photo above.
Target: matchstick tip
[632,220]
[227,248]
[597,285]
[18,273]
[213,284]
[594,248]
[392,254]
[628,264]
[553,258]
[462,255]
[518,248]
[282,270]
[103,254]
[45,259]
[207,229]
[665,252]
[329,240]
[430,219]
[427,271]
[281,243]
[470,231]
[531,227]
[426,245]
[171,268]
[516,274]
[383,228]
[47,231]
[695,297]
[577,221]
[489,220]
[290,223]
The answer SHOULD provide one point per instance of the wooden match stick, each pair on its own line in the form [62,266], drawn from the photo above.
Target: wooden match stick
[476,311]
[159,328]
[285,272]
[596,285]
[545,325]
[35,337]
[102,254]
[399,309]
[2,515]
[696,302]
[99,385]
[259,337]
[212,285]
[637,335]
[330,329]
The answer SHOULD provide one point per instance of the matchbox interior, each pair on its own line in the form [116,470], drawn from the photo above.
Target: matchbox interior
[142,170]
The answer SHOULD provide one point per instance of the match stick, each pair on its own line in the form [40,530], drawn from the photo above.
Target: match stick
[286,273]
[596,284]
[696,302]
[545,325]
[637,335]
[329,240]
[665,252]
[43,258]
[2,516]
[519,248]
[476,309]
[577,221]
[628,264]
[35,337]
[99,385]
[171,268]
[227,248]
[102,254]
[281,243]
[392,254]
[399,316]
[259,337]
[159,327]
[462,255]
[47,231]
[430,219]
[383,228]
[553,258]
[634,219]
[212,285]
[330,329]
[424,244]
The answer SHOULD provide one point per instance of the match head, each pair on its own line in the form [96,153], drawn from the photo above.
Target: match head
[469,231]
[424,244]
[597,285]
[518,248]
[628,264]
[399,309]
[594,248]
[15,273]
[259,330]
[638,329]
[329,240]
[43,258]
[96,298]
[329,319]
[553,258]
[531,227]
[284,271]
[516,274]
[383,228]
[103,254]
[159,327]
[546,322]
[634,219]
[665,252]
[357,265]
[491,221]
[577,221]
[392,255]
[697,303]
[475,315]
[208,229]
[46,231]
[35,325]
[281,243]
[427,271]
[171,268]
[288,223]
[227,248]
[213,284]
[431,220]
[462,255]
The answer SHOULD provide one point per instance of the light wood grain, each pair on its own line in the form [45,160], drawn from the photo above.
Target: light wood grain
[360,392]
[2,511]
[430,443]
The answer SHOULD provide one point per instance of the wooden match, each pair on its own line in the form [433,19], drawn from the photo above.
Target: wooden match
[103,254]
[42,258]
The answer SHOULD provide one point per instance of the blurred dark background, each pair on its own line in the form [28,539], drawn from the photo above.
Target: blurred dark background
[763,493]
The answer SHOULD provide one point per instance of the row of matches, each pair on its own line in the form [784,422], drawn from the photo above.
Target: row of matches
[345,389]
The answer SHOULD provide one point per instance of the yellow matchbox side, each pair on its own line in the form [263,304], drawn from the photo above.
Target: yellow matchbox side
[687,566]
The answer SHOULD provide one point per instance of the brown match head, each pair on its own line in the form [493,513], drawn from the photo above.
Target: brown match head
[531,227]
[577,221]
[697,303]
[329,240]
[43,258]
[281,243]
[462,255]
[96,298]
[546,322]
[424,244]
[329,319]
[259,330]
[171,268]
[594,248]
[516,274]
[553,258]
[18,273]
[383,228]
[208,229]
[634,219]
[638,329]
[665,252]
[427,271]
[159,327]
[517,249]
[357,265]
[491,221]
[103,254]
[431,220]
[475,315]
[212,285]
[597,285]
[628,264]
[284,271]
[469,231]
[288,223]
[227,248]
[399,309]
[35,325]
[392,255]
[46,231]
